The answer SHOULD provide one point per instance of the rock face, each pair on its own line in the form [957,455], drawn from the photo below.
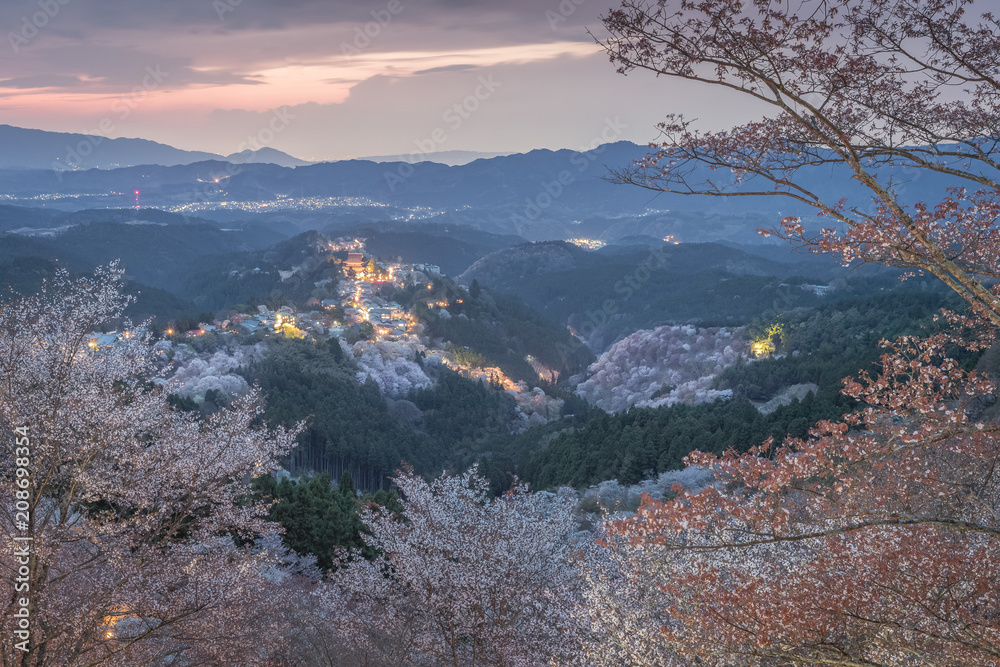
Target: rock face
[662,366]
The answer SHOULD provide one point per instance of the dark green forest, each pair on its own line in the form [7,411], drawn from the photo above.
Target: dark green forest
[319,517]
[350,427]
[642,442]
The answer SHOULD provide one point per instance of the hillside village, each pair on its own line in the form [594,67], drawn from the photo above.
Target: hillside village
[365,322]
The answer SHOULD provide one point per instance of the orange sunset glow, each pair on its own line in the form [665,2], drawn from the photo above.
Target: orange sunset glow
[205,76]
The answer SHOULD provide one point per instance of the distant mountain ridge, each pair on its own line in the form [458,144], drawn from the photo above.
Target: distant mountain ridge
[539,195]
[265,155]
[23,148]
[450,158]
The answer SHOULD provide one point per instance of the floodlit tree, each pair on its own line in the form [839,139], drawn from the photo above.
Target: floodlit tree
[462,579]
[875,540]
[135,510]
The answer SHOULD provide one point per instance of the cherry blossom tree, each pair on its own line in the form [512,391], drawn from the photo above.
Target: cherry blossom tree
[874,540]
[877,91]
[136,511]
[674,364]
[463,579]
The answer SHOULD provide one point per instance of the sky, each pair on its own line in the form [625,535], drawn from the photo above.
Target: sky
[326,80]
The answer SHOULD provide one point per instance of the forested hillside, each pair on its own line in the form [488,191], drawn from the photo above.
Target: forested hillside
[822,346]
[353,428]
[605,296]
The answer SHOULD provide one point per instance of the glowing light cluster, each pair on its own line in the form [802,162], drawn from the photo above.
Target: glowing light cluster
[589,244]
[763,346]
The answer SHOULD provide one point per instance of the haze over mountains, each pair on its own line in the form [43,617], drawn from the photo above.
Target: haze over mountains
[22,148]
[538,196]
[542,194]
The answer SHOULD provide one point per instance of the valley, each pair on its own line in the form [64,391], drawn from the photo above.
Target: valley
[546,339]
